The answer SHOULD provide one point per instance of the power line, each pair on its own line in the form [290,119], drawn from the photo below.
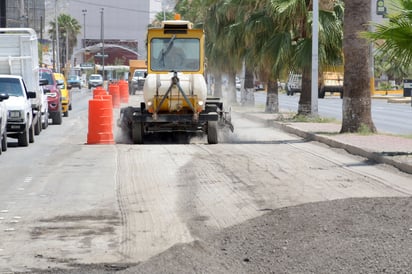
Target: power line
[112,7]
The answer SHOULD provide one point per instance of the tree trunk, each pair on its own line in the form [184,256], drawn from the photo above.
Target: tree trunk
[217,91]
[356,108]
[272,99]
[247,94]
[305,100]
[231,92]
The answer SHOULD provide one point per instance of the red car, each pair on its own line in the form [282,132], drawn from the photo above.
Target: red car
[53,95]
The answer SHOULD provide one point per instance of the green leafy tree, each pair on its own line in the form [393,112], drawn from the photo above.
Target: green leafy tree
[393,39]
[68,28]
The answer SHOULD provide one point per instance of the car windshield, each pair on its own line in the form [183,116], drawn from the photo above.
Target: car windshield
[181,54]
[73,77]
[11,86]
[46,75]
[95,77]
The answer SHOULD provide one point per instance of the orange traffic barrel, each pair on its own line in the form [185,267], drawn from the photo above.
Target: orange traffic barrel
[99,91]
[124,91]
[100,128]
[115,93]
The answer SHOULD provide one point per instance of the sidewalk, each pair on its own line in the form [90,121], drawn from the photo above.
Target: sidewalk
[380,148]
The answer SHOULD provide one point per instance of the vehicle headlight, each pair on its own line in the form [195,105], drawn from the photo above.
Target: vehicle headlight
[200,103]
[149,103]
[15,114]
[52,94]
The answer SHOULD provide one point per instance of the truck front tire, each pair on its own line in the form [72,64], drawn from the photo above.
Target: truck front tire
[212,132]
[23,138]
[137,133]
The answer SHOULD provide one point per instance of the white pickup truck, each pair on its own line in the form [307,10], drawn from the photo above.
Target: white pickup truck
[20,113]
[19,55]
[3,122]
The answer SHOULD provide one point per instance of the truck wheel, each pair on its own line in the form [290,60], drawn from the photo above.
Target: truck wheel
[31,134]
[212,132]
[137,133]
[322,93]
[23,139]
[4,141]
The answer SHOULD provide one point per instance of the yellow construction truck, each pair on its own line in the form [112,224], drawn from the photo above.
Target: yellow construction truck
[331,80]
[175,90]
[137,74]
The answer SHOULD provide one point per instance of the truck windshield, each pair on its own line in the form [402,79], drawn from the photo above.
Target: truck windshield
[11,86]
[178,54]
[138,73]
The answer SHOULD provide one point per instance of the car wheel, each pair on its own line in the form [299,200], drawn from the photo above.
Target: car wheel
[4,141]
[45,124]
[23,138]
[37,127]
[57,118]
[31,134]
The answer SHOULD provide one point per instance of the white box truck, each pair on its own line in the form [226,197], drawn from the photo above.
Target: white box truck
[19,56]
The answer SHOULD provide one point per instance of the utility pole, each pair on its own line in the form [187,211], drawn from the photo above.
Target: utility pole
[315,58]
[21,13]
[57,68]
[102,38]
[84,34]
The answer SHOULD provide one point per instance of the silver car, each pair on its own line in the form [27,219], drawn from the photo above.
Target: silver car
[95,80]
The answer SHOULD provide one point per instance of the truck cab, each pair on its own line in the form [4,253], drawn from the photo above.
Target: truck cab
[175,91]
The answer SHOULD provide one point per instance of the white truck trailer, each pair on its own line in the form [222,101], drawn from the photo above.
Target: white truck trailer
[19,56]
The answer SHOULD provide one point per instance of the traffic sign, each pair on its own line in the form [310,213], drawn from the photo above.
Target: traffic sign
[87,65]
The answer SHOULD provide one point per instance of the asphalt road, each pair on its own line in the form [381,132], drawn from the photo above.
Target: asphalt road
[69,207]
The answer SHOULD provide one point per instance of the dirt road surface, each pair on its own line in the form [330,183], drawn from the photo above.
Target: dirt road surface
[261,201]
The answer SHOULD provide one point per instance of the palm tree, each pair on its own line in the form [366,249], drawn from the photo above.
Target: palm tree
[68,28]
[281,30]
[356,109]
[224,55]
[393,39]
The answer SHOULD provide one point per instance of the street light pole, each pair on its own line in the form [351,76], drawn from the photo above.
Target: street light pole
[84,35]
[315,58]
[102,38]
[57,68]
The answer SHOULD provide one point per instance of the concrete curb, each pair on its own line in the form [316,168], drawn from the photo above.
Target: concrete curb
[355,150]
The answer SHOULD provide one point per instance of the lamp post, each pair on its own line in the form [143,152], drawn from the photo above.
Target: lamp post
[102,38]
[315,58]
[84,34]
[57,68]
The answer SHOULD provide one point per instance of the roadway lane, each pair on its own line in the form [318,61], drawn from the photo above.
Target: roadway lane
[391,118]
